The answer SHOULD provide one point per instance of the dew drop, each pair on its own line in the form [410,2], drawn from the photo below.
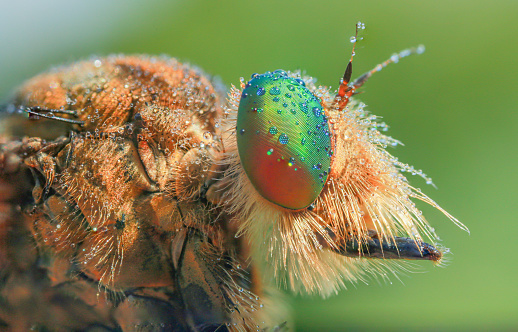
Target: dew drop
[283,139]
[303,107]
[275,91]
[280,72]
[207,135]
[273,130]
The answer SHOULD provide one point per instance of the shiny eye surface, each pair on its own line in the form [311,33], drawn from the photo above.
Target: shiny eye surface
[283,139]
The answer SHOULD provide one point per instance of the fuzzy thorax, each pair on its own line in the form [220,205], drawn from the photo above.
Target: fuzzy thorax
[366,193]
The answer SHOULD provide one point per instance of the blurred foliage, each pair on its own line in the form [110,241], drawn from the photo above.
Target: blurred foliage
[455,108]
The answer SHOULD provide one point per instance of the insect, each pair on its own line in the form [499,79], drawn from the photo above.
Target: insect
[134,196]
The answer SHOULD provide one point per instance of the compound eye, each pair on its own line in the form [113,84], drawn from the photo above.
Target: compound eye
[283,139]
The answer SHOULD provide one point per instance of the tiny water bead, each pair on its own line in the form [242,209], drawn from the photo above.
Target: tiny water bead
[292,129]
[275,91]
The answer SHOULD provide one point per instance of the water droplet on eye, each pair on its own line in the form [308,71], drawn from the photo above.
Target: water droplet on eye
[280,72]
[303,107]
[242,131]
[260,91]
[254,75]
[300,81]
[279,111]
[303,141]
[288,95]
[317,111]
[276,99]
[353,39]
[244,95]
[291,88]
[269,152]
[275,91]
[283,139]
[273,130]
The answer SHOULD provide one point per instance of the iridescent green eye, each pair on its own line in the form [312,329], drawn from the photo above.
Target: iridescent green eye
[283,139]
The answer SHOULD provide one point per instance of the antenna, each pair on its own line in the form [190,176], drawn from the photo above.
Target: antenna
[346,89]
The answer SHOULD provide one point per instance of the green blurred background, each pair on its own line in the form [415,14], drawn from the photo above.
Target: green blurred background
[454,107]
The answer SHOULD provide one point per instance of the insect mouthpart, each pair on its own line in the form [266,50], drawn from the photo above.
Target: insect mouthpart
[375,247]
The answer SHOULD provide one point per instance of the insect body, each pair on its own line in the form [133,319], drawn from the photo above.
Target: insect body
[142,200]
